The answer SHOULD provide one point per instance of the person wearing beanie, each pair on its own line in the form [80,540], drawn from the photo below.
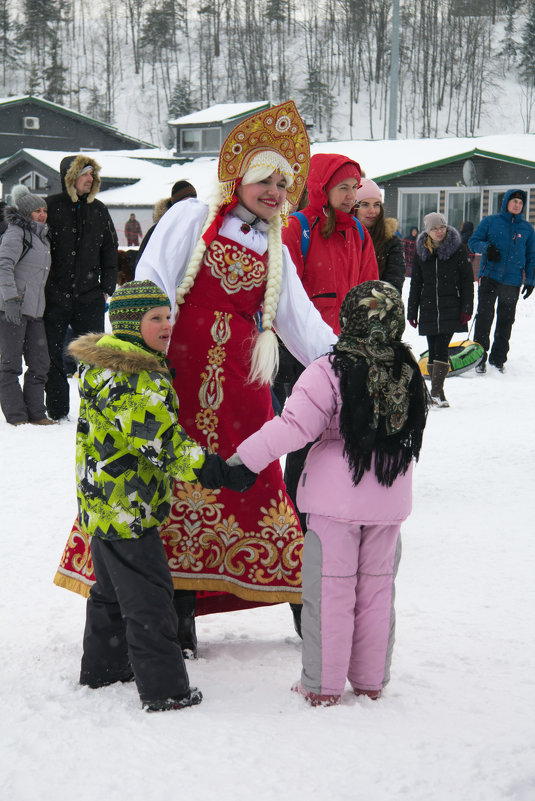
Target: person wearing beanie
[180,191]
[219,264]
[441,296]
[332,252]
[83,271]
[387,245]
[24,270]
[364,406]
[128,425]
[507,244]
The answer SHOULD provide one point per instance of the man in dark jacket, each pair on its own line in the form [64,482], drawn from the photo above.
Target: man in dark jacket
[507,244]
[83,271]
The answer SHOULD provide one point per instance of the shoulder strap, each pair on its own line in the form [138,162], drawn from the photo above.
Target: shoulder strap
[26,242]
[305,232]
[360,229]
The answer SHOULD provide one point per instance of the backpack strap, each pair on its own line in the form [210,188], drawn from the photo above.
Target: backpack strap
[26,243]
[360,229]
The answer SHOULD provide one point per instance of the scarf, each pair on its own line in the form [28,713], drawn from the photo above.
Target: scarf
[384,399]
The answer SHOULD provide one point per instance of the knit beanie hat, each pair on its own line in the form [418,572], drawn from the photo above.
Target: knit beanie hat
[368,189]
[129,303]
[348,170]
[26,202]
[518,195]
[433,220]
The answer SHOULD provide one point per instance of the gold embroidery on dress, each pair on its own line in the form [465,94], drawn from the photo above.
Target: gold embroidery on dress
[200,537]
[211,389]
[235,266]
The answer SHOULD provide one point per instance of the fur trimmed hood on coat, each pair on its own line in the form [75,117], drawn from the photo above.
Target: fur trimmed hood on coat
[447,248]
[160,207]
[71,167]
[123,357]
[391,226]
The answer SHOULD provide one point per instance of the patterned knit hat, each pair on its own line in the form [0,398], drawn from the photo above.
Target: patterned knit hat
[129,303]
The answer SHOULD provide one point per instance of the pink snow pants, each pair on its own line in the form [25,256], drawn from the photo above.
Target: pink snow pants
[348,619]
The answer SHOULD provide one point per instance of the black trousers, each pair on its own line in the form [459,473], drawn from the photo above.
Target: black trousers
[83,319]
[491,291]
[438,347]
[130,619]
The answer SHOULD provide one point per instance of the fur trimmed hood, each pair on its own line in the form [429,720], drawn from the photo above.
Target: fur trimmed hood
[13,217]
[391,226]
[71,167]
[160,208]
[445,250]
[121,357]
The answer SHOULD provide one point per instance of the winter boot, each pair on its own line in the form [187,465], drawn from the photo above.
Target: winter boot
[296,612]
[314,699]
[440,371]
[191,698]
[184,603]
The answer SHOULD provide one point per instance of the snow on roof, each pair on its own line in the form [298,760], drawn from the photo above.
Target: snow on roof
[202,173]
[219,113]
[113,163]
[381,159]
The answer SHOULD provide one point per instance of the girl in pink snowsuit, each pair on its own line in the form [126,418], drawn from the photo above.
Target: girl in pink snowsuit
[366,405]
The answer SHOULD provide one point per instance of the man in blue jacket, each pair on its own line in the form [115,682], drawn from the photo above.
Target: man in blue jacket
[507,244]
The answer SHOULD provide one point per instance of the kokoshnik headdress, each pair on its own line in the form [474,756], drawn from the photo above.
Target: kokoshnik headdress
[270,134]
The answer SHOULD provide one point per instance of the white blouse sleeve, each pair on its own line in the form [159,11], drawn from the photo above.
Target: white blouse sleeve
[298,323]
[169,249]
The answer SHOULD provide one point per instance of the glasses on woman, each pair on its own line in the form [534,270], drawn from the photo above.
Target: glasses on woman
[439,228]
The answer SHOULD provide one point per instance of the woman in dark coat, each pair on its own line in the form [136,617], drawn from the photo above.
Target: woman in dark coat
[387,245]
[441,296]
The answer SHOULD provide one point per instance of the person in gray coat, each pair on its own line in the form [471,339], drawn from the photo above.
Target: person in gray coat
[24,269]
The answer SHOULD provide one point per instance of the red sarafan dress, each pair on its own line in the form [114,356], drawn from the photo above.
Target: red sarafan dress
[235,549]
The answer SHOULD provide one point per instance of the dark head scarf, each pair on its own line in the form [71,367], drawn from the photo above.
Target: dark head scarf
[384,399]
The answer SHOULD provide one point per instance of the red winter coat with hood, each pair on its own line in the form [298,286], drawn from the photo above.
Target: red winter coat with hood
[332,266]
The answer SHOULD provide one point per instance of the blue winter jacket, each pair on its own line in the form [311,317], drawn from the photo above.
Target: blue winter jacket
[515,239]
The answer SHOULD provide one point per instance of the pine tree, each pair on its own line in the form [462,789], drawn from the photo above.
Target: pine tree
[55,83]
[181,102]
[527,50]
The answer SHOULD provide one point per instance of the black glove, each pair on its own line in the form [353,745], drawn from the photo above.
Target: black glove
[214,471]
[493,253]
[240,478]
[13,310]
[526,291]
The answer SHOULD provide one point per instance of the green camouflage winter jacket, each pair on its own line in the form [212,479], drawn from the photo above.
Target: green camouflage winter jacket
[129,444]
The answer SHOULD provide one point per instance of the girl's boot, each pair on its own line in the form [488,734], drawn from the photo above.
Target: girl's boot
[440,371]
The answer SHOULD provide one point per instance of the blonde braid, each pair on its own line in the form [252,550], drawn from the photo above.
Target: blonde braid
[265,357]
[192,270]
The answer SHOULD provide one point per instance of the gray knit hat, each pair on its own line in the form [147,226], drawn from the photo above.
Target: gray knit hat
[25,201]
[433,220]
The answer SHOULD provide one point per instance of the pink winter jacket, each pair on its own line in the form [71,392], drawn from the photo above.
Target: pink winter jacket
[326,485]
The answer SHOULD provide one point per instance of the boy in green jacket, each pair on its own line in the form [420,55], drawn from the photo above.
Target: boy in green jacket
[129,447]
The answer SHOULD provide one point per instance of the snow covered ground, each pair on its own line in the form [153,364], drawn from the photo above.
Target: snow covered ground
[456,722]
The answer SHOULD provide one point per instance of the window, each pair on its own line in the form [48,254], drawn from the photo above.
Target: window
[200,140]
[463,207]
[35,182]
[414,207]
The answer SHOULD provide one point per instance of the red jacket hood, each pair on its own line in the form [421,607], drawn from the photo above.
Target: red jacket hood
[322,168]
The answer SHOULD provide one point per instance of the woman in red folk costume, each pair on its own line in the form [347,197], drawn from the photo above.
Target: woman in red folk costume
[223,263]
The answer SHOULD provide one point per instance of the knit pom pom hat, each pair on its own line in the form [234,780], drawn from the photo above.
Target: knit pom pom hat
[25,201]
[129,303]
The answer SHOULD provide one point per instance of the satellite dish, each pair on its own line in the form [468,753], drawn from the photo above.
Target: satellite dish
[470,173]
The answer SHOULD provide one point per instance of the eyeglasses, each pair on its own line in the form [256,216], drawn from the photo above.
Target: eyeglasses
[439,228]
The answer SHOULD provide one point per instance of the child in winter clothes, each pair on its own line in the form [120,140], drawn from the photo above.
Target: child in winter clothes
[367,403]
[24,269]
[129,446]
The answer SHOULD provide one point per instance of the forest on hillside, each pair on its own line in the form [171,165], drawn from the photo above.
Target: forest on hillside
[138,63]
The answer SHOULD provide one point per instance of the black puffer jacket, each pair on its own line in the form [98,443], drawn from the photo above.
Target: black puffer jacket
[392,267]
[442,285]
[84,241]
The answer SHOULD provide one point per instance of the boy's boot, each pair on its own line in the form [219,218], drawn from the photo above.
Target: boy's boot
[440,371]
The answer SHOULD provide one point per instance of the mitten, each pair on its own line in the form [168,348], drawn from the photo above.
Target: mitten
[13,310]
[213,473]
[414,323]
[240,478]
[526,291]
[493,253]
[465,316]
